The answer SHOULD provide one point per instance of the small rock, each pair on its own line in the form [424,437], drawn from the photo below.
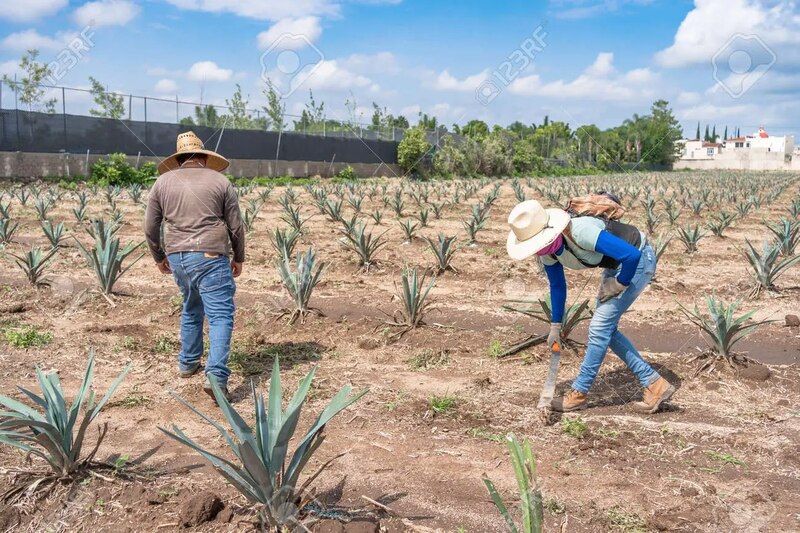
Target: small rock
[200,508]
[226,515]
[369,343]
[689,492]
[793,321]
[329,526]
[361,526]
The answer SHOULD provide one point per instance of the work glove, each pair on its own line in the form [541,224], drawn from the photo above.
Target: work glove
[555,334]
[610,288]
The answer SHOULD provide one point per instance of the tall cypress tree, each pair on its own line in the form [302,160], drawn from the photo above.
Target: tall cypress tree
[697,136]
[725,135]
[714,134]
[707,135]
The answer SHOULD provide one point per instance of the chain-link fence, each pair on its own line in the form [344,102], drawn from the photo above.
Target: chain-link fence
[146,109]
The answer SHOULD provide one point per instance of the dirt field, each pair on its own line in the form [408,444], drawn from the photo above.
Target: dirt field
[722,456]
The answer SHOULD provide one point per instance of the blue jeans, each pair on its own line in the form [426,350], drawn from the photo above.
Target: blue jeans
[603,332]
[208,288]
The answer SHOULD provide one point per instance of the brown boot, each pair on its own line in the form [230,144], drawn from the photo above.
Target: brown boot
[571,401]
[654,395]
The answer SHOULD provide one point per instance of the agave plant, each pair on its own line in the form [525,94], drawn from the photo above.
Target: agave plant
[54,233]
[787,235]
[652,220]
[720,222]
[42,207]
[377,216]
[530,496]
[443,249]
[283,241]
[397,205]
[34,263]
[364,245]
[722,328]
[291,216]
[437,209]
[262,474]
[409,229]
[300,283]
[766,267]
[422,216]
[80,213]
[414,297]
[660,245]
[673,214]
[690,236]
[542,310]
[794,208]
[5,210]
[54,434]
[249,220]
[7,230]
[135,193]
[105,256]
[333,210]
[23,195]
[743,208]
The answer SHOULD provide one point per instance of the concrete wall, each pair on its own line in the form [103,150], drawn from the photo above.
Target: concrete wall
[27,165]
[741,160]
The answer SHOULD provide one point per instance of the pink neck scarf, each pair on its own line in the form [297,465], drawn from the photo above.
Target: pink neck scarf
[551,248]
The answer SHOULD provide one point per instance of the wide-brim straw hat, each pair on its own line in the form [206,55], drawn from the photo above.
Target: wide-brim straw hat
[189,143]
[533,228]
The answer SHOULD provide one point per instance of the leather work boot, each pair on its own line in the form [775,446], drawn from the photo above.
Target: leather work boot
[208,390]
[190,372]
[571,401]
[654,395]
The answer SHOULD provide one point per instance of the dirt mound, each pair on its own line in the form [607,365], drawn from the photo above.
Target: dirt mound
[200,508]
[755,372]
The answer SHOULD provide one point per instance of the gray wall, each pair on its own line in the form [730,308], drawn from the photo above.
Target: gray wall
[26,165]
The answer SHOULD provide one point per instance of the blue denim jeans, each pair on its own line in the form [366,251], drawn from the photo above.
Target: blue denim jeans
[603,332]
[208,288]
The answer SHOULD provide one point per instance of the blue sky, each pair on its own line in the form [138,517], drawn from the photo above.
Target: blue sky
[596,61]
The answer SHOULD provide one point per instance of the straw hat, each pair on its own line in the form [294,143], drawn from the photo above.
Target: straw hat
[533,227]
[189,143]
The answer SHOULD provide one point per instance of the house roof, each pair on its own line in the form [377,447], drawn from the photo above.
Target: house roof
[736,139]
[712,145]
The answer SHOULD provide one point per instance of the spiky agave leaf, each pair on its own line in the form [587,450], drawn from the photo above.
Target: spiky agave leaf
[723,329]
[766,267]
[300,283]
[7,230]
[53,434]
[283,241]
[364,244]
[690,236]
[106,257]
[444,248]
[413,295]
[262,474]
[541,310]
[787,235]
[409,229]
[54,233]
[531,505]
[34,263]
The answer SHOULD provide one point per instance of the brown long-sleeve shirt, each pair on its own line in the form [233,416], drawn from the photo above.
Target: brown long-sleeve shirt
[200,211]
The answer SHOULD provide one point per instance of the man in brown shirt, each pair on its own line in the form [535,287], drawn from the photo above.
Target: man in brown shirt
[199,210]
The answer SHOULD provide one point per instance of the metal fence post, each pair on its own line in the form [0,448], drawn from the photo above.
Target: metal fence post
[145,121]
[177,111]
[64,114]
[130,105]
[16,112]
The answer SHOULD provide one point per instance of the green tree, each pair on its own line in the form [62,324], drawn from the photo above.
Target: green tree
[275,108]
[240,117]
[413,151]
[110,105]
[475,129]
[697,135]
[664,132]
[707,135]
[29,89]
[427,123]
[725,135]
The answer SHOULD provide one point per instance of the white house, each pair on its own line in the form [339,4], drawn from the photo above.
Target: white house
[694,149]
[760,151]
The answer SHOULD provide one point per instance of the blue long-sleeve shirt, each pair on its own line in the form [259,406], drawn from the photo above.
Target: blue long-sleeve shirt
[605,244]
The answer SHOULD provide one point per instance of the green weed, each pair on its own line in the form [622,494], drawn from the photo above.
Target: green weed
[621,520]
[574,427]
[26,336]
[443,404]
[495,348]
[428,359]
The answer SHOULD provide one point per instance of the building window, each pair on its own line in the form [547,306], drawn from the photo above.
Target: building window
[739,145]
[709,151]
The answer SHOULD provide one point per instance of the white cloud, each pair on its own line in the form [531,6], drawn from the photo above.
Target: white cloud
[330,75]
[29,10]
[447,82]
[599,82]
[281,34]
[380,63]
[157,71]
[33,40]
[262,9]
[209,71]
[9,68]
[106,13]
[711,24]
[166,85]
